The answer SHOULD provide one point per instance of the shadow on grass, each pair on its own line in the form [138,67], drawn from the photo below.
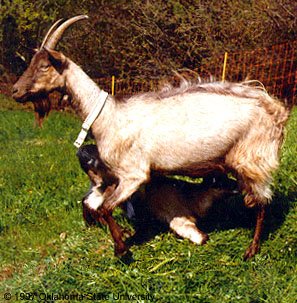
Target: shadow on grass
[232,213]
[226,214]
[277,212]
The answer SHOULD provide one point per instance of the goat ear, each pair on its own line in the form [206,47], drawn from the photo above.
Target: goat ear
[57,59]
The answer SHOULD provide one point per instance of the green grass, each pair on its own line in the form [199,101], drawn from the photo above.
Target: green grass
[46,248]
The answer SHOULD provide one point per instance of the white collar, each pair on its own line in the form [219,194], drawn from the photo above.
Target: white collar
[94,113]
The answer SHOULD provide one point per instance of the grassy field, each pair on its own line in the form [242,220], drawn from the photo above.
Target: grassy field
[48,255]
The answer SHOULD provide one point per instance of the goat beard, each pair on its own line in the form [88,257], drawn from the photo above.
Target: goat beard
[32,97]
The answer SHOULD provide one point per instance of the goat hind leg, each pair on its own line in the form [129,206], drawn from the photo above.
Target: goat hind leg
[254,247]
[257,195]
[90,203]
[87,214]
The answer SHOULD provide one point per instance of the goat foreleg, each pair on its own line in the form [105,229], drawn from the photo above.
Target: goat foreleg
[124,190]
[113,198]
[120,248]
[92,215]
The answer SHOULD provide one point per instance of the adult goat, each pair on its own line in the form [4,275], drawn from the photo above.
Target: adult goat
[192,130]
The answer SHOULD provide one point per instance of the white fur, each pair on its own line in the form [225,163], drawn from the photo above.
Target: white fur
[186,229]
[94,199]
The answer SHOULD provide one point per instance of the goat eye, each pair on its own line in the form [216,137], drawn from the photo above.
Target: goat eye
[44,67]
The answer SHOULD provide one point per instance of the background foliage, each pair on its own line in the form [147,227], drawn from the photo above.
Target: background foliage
[145,38]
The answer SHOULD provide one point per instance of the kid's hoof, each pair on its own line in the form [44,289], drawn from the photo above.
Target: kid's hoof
[205,238]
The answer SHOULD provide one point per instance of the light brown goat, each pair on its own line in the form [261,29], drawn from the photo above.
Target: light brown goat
[191,130]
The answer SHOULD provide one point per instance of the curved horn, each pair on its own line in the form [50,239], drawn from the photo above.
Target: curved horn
[56,36]
[50,31]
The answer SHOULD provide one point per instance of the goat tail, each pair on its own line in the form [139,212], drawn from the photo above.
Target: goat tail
[272,106]
[276,109]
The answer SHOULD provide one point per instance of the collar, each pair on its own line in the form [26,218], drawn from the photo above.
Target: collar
[94,113]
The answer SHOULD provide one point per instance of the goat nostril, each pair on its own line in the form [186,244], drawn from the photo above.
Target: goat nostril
[14,90]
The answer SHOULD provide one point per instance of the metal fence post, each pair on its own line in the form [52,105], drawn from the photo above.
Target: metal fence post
[224,67]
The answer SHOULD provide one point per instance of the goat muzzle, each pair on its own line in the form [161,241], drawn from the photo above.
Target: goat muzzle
[19,95]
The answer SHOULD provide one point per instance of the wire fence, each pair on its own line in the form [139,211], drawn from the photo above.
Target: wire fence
[274,66]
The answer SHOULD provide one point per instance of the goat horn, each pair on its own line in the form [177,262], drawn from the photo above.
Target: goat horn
[56,36]
[50,31]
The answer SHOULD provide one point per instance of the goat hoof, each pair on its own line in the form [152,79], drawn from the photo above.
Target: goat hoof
[120,250]
[251,251]
[199,238]
[205,238]
[127,258]
[127,233]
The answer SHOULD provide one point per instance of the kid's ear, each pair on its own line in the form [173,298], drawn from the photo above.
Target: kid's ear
[57,59]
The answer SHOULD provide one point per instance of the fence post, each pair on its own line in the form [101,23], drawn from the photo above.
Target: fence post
[151,85]
[224,67]
[112,85]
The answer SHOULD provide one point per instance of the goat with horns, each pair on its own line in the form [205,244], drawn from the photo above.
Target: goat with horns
[195,129]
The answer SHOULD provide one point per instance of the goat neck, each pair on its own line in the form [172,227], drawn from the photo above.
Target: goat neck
[84,91]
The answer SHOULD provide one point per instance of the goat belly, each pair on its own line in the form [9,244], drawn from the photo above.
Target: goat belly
[192,169]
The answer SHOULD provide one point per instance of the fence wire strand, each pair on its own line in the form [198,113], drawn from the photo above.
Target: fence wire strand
[274,66]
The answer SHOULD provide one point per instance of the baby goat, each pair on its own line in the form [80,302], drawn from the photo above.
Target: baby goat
[193,130]
[174,202]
